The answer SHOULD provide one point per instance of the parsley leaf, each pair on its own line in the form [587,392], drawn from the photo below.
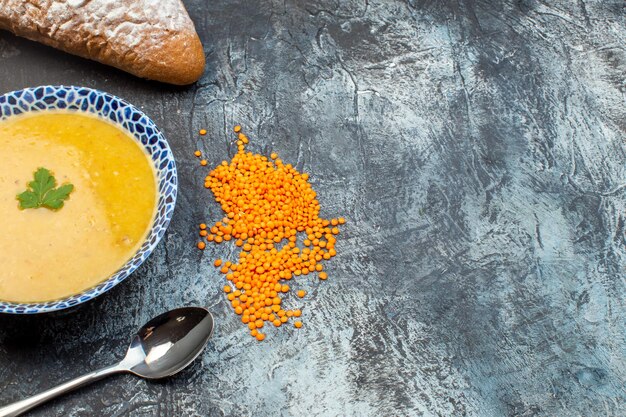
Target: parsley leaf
[41,192]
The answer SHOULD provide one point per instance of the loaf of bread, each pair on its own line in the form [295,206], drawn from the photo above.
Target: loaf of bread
[153,39]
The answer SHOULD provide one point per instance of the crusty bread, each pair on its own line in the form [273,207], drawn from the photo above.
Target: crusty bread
[153,39]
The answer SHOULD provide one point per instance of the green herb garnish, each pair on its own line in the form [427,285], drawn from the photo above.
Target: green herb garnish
[42,192]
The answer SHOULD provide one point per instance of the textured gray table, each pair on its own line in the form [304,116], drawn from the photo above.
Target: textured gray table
[477,150]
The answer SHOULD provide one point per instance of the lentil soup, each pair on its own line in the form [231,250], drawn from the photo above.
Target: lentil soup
[49,254]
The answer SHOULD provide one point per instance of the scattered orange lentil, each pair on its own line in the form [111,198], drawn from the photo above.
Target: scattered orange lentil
[201,245]
[203,162]
[202,132]
[197,153]
[266,203]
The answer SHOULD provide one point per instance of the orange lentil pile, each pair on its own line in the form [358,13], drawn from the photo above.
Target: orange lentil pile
[267,203]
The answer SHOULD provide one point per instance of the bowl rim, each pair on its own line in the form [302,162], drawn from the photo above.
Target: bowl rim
[166,186]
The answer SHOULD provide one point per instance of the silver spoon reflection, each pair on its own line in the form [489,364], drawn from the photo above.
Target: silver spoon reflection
[162,347]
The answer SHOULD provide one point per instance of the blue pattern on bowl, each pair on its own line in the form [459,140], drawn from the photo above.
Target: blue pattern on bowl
[142,129]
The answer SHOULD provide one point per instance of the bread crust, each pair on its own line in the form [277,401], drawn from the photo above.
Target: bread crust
[153,39]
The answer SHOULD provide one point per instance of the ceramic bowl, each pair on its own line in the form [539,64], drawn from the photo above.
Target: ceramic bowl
[142,129]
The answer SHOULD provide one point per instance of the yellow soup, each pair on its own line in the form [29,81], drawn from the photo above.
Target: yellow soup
[46,254]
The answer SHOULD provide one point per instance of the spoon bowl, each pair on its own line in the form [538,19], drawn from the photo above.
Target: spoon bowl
[162,347]
[169,343]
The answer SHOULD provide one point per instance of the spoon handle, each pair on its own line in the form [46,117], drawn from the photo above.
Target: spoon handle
[20,407]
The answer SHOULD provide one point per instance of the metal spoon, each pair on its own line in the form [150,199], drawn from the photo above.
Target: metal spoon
[162,347]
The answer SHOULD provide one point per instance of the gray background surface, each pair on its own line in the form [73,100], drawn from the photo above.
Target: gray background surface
[476,149]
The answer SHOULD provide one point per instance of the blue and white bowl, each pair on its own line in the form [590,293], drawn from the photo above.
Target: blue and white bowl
[142,129]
